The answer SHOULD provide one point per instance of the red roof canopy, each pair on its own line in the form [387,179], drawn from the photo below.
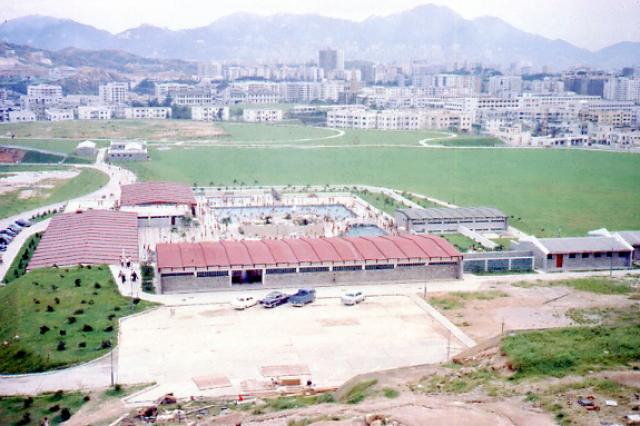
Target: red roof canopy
[145,193]
[303,250]
[91,238]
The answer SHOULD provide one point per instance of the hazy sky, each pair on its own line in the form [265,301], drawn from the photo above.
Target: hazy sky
[586,23]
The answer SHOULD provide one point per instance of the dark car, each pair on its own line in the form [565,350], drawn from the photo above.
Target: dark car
[302,297]
[23,223]
[15,228]
[9,232]
[273,299]
[3,247]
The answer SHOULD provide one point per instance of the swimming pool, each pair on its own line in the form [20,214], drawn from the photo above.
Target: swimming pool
[334,211]
[364,231]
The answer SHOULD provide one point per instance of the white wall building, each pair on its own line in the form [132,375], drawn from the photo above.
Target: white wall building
[209,113]
[147,113]
[114,93]
[94,113]
[21,115]
[58,114]
[261,115]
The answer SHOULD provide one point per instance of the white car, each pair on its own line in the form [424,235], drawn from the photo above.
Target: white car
[243,302]
[352,297]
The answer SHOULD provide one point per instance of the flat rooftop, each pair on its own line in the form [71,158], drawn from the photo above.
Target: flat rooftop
[452,213]
[582,244]
[93,237]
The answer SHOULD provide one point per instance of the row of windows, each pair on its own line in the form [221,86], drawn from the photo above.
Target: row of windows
[374,267]
[595,255]
[348,268]
[281,271]
[204,274]
[315,269]
[177,274]
[409,265]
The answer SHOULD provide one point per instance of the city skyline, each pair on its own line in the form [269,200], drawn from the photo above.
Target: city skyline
[590,21]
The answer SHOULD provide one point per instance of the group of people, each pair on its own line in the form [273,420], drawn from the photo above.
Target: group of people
[126,272]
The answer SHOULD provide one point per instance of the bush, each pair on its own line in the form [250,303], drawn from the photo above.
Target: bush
[78,312]
[54,408]
[82,344]
[57,300]
[136,300]
[108,328]
[86,398]
[63,332]
[65,414]
[57,396]
[117,308]
[36,301]
[27,402]
[111,316]
[77,282]
[71,320]
[44,329]
[20,354]
[106,344]
[87,328]
[97,286]
[91,302]
[24,420]
[61,346]
[50,308]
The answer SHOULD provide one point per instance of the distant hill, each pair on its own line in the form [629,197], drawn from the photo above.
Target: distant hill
[425,32]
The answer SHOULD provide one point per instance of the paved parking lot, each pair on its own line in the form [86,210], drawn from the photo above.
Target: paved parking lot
[172,345]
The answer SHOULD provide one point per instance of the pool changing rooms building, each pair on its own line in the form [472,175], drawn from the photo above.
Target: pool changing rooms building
[444,220]
[298,262]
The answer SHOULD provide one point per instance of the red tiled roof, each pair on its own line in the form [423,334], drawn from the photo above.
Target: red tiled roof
[92,237]
[145,193]
[303,250]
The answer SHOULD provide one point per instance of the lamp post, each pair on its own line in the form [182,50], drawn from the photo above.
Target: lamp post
[426,263]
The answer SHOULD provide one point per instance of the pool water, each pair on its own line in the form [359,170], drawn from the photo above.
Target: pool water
[364,231]
[334,211]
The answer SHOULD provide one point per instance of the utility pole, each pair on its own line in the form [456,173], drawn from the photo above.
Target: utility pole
[111,356]
[425,279]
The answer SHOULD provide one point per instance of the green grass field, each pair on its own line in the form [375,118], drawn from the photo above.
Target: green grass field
[86,182]
[54,145]
[76,306]
[19,265]
[17,409]
[548,192]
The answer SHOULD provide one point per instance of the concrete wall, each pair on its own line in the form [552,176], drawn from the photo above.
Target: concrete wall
[188,284]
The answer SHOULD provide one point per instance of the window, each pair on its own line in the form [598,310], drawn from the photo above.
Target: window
[204,274]
[609,254]
[409,265]
[585,255]
[597,255]
[281,271]
[572,255]
[549,256]
[373,267]
[315,269]
[347,268]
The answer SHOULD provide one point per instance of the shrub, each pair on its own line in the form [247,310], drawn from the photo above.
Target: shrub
[36,301]
[24,420]
[108,328]
[111,316]
[57,300]
[91,302]
[20,354]
[78,312]
[86,398]
[61,346]
[83,302]
[82,344]
[136,300]
[57,395]
[106,344]
[54,408]
[44,329]
[97,286]
[63,332]
[77,282]
[71,320]
[87,328]
[117,308]
[27,402]
[50,308]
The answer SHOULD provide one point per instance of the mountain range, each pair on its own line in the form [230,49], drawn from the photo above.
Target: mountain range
[434,33]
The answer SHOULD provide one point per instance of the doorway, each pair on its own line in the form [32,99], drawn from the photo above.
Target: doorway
[559,260]
[249,276]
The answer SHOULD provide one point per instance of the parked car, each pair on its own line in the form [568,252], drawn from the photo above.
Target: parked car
[5,239]
[303,296]
[3,247]
[352,298]
[23,223]
[273,299]
[243,302]
[15,228]
[9,232]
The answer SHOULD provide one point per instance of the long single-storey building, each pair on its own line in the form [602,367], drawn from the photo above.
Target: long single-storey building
[93,237]
[630,237]
[158,203]
[577,253]
[446,220]
[298,262]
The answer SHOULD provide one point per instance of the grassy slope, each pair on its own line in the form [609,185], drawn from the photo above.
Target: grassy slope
[87,181]
[62,146]
[21,316]
[19,265]
[553,191]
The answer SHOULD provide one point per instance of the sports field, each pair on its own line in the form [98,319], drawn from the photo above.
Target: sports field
[548,192]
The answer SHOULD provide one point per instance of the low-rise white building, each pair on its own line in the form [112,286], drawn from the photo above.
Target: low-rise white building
[127,151]
[399,119]
[261,115]
[86,149]
[209,113]
[147,113]
[21,115]
[94,113]
[58,114]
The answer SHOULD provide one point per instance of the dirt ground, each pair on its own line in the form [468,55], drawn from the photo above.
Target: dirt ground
[525,308]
